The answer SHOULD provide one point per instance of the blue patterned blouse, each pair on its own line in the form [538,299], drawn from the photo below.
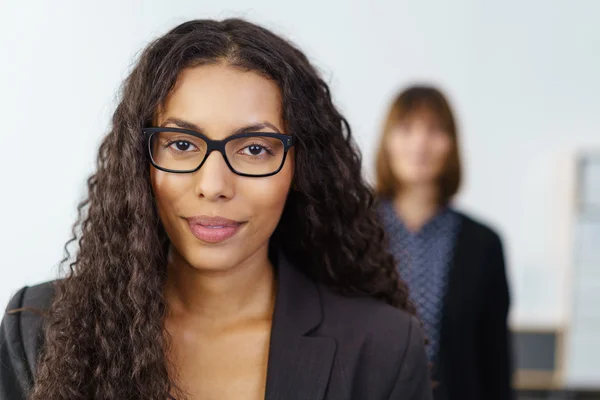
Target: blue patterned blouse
[423,260]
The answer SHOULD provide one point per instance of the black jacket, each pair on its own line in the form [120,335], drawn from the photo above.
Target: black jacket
[323,345]
[475,354]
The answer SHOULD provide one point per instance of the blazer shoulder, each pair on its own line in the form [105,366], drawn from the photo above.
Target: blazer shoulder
[32,298]
[387,341]
[367,316]
[475,228]
[24,316]
[20,338]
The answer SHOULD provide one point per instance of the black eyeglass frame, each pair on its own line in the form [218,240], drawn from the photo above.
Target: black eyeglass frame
[218,145]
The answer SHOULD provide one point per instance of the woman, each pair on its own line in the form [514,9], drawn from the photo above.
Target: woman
[226,245]
[453,265]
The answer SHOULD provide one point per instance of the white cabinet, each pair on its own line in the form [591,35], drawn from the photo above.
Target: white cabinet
[582,342]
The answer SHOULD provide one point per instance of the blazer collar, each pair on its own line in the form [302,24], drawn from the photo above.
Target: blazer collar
[299,365]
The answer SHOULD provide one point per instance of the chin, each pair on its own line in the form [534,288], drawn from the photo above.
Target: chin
[205,258]
[419,177]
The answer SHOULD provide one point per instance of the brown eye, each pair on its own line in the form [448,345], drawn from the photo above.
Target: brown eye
[255,150]
[182,145]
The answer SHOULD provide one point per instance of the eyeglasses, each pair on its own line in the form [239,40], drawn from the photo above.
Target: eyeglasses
[254,154]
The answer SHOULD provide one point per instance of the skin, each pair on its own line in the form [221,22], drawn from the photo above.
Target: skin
[418,151]
[221,296]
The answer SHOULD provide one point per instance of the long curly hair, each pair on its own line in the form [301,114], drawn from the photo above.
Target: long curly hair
[104,334]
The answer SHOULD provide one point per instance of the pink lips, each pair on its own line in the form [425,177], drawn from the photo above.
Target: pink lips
[213,229]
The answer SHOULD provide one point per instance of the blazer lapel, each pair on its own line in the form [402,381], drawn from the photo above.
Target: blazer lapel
[299,365]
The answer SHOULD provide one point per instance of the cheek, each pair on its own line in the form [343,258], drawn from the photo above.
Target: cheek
[266,196]
[169,190]
[396,151]
[393,144]
[441,150]
[392,148]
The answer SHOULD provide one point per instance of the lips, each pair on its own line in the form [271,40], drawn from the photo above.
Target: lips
[213,229]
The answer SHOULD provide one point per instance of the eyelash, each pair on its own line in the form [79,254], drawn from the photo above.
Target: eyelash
[172,142]
[265,147]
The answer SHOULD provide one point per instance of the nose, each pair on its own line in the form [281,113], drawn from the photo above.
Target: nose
[419,138]
[214,180]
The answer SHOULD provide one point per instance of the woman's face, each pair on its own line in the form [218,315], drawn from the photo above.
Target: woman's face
[418,149]
[216,219]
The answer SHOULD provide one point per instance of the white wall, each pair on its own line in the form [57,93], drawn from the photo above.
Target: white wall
[523,76]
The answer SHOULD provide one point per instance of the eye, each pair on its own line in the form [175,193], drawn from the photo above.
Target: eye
[255,150]
[181,145]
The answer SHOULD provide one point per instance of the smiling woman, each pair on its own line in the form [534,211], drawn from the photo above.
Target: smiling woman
[228,247]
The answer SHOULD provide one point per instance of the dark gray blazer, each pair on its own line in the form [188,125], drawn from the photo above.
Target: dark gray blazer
[323,345]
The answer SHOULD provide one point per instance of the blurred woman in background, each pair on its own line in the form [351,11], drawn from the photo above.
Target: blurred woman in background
[453,264]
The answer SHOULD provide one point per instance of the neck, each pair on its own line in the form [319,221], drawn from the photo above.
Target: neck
[417,204]
[244,291]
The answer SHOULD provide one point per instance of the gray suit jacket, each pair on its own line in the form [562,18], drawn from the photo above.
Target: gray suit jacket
[323,345]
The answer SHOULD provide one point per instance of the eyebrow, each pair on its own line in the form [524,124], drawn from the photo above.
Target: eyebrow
[180,123]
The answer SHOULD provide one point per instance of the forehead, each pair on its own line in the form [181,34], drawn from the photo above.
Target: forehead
[220,98]
[421,113]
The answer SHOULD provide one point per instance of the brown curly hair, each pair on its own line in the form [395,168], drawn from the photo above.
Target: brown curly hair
[104,335]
